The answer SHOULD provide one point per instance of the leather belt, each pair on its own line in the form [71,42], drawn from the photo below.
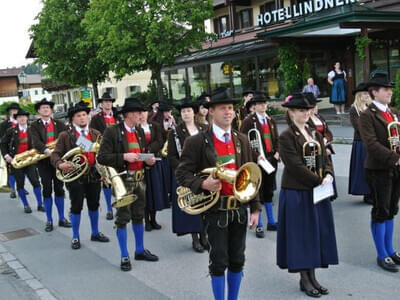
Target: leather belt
[137,175]
[228,203]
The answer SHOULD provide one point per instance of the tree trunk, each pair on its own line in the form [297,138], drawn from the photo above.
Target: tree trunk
[159,85]
[95,94]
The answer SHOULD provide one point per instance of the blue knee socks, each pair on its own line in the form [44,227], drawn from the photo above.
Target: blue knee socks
[270,213]
[38,194]
[94,221]
[22,196]
[234,280]
[378,233]
[260,222]
[218,287]
[75,221]
[122,241]
[59,200]
[11,181]
[48,206]
[107,196]
[138,230]
[389,237]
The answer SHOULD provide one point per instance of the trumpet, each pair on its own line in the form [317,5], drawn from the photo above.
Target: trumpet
[393,129]
[312,157]
[255,142]
[32,156]
[246,182]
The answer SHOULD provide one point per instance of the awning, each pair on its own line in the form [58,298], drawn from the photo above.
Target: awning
[341,21]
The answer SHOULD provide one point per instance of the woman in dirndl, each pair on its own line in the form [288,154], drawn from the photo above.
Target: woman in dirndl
[337,78]
[306,233]
[357,179]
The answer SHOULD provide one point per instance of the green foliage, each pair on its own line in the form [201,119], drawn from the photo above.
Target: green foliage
[289,68]
[29,107]
[306,71]
[33,69]
[151,94]
[396,91]
[361,43]
[61,43]
[273,110]
[146,34]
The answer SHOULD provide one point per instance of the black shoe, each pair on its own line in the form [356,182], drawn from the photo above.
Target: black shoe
[368,199]
[26,192]
[41,208]
[396,258]
[13,195]
[311,293]
[75,244]
[126,264]
[155,225]
[148,227]
[272,227]
[146,255]
[100,237]
[109,215]
[197,247]
[64,223]
[49,227]
[204,243]
[387,264]
[323,290]
[27,209]
[260,232]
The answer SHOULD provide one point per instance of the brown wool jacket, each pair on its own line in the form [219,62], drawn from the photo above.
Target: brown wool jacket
[156,142]
[182,133]
[295,173]
[66,141]
[39,133]
[199,153]
[98,122]
[354,119]
[327,133]
[10,141]
[249,123]
[374,134]
[114,144]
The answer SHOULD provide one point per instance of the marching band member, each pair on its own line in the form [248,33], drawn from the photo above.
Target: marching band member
[154,108]
[156,194]
[107,117]
[44,131]
[268,131]
[15,141]
[120,149]
[226,224]
[11,122]
[242,111]
[306,235]
[201,116]
[183,223]
[87,186]
[357,181]
[382,168]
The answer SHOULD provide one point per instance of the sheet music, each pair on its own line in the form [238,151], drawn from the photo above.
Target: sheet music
[323,191]
[84,143]
[266,165]
[144,156]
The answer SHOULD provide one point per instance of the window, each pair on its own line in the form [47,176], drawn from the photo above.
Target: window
[198,79]
[244,76]
[36,92]
[245,18]
[132,89]
[112,91]
[221,24]
[269,6]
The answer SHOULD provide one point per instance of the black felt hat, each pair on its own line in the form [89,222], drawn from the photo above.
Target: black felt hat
[185,102]
[133,104]
[154,101]
[106,96]
[362,87]
[219,96]
[246,92]
[21,112]
[379,80]
[311,97]
[202,97]
[13,105]
[258,98]
[78,107]
[164,106]
[298,100]
[44,101]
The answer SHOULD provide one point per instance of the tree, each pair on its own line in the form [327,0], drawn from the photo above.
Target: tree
[289,67]
[306,71]
[146,34]
[396,91]
[61,43]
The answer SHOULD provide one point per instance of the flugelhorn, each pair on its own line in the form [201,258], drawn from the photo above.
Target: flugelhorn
[393,129]
[312,157]
[246,182]
[32,156]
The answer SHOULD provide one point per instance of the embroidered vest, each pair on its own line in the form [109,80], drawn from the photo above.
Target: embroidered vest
[23,141]
[133,147]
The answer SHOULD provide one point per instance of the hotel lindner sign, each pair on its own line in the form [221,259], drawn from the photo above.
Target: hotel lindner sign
[298,10]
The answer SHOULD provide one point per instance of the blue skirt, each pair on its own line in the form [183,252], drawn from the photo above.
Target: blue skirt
[306,232]
[338,95]
[357,180]
[156,190]
[183,223]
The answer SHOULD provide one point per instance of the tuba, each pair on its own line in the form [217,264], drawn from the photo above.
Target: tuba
[32,156]
[4,187]
[393,129]
[312,157]
[78,161]
[112,178]
[164,150]
[246,182]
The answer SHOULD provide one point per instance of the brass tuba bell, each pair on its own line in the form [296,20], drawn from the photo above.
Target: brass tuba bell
[312,157]
[246,182]
[393,129]
[32,156]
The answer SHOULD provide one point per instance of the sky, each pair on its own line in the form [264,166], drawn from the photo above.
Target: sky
[16,16]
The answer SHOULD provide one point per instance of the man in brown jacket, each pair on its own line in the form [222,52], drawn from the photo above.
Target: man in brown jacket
[46,130]
[107,117]
[121,148]
[87,186]
[266,127]
[226,221]
[382,168]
